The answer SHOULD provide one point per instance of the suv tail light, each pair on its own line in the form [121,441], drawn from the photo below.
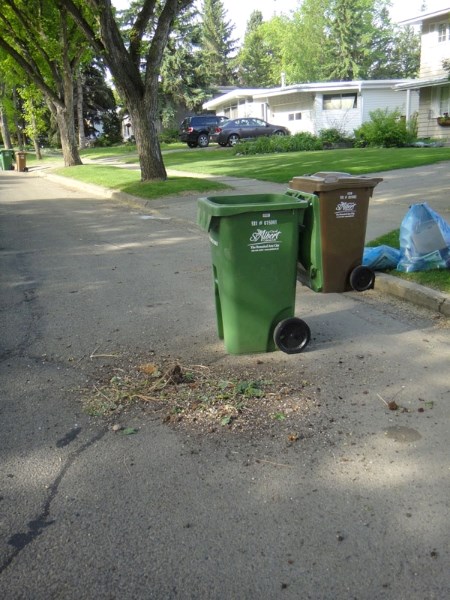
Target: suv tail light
[190,129]
[218,129]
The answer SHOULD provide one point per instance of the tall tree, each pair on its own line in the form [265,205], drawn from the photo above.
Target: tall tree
[255,58]
[4,121]
[303,43]
[217,43]
[134,60]
[34,112]
[274,34]
[325,40]
[397,55]
[351,31]
[98,103]
[44,42]
[183,79]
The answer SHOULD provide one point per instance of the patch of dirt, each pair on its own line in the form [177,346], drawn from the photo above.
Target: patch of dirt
[255,398]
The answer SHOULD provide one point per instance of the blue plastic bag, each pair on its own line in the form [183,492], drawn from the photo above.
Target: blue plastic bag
[381,258]
[424,240]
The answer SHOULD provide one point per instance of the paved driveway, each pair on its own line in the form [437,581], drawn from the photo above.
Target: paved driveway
[356,507]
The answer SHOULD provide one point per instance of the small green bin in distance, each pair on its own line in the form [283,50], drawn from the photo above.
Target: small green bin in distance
[254,245]
[6,159]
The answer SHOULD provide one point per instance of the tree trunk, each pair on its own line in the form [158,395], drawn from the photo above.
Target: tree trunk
[81,136]
[4,128]
[147,142]
[37,148]
[66,128]
[65,120]
[19,126]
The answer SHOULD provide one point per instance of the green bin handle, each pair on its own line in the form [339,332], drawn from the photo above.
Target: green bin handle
[301,195]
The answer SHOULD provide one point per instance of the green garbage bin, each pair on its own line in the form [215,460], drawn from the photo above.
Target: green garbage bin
[254,245]
[6,159]
[332,244]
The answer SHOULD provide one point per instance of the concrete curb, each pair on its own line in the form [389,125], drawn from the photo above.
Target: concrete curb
[414,293]
[388,284]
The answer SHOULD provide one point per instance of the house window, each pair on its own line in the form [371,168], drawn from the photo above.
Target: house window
[444,100]
[295,116]
[339,101]
[443,32]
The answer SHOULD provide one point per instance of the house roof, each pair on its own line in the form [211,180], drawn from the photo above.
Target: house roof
[416,84]
[320,87]
[232,95]
[425,16]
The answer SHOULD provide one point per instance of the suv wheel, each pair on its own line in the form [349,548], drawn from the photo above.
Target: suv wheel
[203,140]
[233,139]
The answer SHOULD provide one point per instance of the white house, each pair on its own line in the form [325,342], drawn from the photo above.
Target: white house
[310,107]
[433,82]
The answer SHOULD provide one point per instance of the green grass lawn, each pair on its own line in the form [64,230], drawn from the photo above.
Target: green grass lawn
[280,168]
[438,279]
[128,181]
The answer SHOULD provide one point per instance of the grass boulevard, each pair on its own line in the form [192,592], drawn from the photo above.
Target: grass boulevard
[198,164]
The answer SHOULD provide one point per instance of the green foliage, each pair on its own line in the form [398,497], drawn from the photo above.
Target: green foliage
[274,33]
[325,40]
[111,126]
[182,77]
[395,54]
[217,45]
[304,48]
[168,136]
[333,135]
[350,34]
[34,110]
[299,142]
[386,129]
[102,142]
[266,145]
[255,60]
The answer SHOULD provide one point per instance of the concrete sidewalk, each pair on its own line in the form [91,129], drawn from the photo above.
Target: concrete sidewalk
[389,204]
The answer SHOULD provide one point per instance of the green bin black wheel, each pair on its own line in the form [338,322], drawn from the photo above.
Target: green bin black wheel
[362,279]
[292,335]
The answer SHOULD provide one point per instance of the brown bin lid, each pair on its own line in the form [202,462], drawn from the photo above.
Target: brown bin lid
[332,180]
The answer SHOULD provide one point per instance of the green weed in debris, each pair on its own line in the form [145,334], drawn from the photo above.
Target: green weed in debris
[182,390]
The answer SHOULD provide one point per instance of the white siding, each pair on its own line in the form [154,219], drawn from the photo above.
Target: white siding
[345,121]
[389,99]
[433,51]
[427,124]
[281,107]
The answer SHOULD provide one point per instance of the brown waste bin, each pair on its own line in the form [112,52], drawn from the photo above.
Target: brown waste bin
[332,243]
[21,161]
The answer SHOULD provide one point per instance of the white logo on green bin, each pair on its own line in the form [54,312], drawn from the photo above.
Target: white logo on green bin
[265,240]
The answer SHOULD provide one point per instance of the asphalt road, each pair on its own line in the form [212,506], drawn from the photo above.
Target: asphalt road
[358,507]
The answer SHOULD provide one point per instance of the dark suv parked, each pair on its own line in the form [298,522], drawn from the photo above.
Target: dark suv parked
[199,130]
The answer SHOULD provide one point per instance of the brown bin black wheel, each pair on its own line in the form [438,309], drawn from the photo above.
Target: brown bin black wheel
[362,279]
[292,335]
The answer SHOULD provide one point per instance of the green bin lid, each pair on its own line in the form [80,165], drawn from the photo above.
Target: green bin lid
[227,206]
